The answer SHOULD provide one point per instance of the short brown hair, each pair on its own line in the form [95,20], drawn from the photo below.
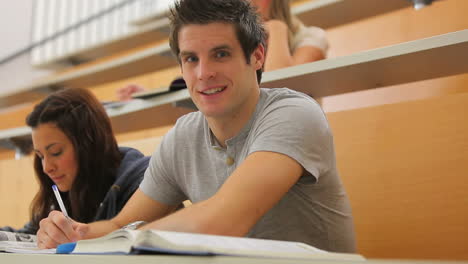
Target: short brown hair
[239,13]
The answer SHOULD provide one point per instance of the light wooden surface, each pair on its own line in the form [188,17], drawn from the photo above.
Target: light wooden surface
[136,137]
[332,13]
[15,116]
[143,259]
[405,169]
[147,60]
[417,60]
[146,146]
[17,189]
[402,63]
[393,28]
[396,94]
[163,115]
[14,132]
[135,116]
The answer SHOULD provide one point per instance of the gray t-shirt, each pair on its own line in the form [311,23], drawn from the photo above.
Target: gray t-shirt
[190,164]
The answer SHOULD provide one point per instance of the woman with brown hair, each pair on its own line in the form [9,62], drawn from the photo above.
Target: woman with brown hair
[289,42]
[75,149]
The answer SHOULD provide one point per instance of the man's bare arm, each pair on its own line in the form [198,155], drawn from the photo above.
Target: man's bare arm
[253,189]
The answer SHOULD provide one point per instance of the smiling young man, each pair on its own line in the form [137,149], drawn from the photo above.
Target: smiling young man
[254,162]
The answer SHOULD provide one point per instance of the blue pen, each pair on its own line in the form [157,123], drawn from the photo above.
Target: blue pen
[66,248]
[59,200]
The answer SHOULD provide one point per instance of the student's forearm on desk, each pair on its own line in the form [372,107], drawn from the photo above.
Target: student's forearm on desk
[100,228]
[254,187]
[198,218]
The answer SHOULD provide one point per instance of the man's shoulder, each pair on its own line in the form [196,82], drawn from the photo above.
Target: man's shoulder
[285,96]
[282,92]
[187,126]
[190,121]
[288,104]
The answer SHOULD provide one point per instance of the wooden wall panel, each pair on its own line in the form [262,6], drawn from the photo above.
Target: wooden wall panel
[405,169]
[17,189]
[395,27]
[398,93]
[15,116]
[6,154]
[126,138]
[146,146]
[399,26]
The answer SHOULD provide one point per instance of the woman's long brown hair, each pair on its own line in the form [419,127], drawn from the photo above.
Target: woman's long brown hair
[83,119]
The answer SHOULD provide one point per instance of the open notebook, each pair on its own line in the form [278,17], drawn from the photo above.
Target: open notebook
[124,241]
[20,243]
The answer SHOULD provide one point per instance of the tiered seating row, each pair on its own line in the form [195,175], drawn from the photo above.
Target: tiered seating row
[417,60]
[311,13]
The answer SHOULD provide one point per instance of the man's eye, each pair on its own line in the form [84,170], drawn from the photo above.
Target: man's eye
[190,59]
[222,54]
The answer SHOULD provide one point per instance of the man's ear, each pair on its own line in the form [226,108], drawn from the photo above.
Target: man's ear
[258,57]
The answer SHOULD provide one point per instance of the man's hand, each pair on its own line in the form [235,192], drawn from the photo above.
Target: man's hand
[57,229]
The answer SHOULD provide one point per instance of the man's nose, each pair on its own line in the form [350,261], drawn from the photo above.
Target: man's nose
[206,70]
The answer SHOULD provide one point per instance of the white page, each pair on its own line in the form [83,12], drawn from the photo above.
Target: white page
[23,247]
[236,243]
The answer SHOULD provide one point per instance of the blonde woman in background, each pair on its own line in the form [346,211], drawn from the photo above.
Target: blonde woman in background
[290,42]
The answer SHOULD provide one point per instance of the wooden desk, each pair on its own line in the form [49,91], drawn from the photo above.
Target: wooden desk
[143,259]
